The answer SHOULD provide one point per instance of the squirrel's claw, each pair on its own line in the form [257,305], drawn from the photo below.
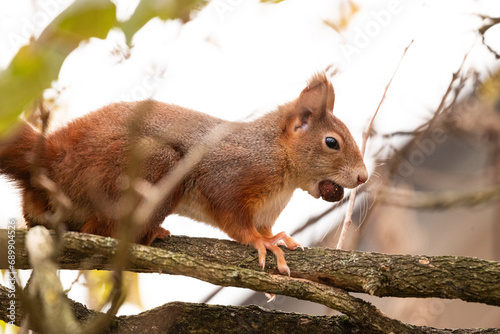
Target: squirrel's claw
[270,297]
[261,250]
[280,243]
[280,256]
[284,269]
[264,243]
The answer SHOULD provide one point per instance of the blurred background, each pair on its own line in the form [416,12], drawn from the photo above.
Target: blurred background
[434,150]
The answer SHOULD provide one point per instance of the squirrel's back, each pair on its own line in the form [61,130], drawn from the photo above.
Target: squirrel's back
[88,157]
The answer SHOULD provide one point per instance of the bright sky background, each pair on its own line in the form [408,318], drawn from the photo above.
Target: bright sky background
[238,59]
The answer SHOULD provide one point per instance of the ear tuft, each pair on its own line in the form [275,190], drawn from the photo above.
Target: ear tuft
[318,97]
[317,80]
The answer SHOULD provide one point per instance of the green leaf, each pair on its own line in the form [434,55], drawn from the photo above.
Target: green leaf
[36,65]
[164,9]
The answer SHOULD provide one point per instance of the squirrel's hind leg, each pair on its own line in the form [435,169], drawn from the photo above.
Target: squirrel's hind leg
[153,229]
[152,234]
[107,228]
[35,207]
[100,226]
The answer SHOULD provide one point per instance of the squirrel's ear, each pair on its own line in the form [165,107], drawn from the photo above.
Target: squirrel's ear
[318,97]
[299,122]
[313,103]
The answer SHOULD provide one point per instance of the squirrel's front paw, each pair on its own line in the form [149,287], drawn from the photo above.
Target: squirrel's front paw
[263,244]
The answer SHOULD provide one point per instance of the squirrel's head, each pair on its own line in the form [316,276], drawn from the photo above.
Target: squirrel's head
[323,153]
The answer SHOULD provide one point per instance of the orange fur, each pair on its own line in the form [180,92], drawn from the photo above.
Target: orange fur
[240,185]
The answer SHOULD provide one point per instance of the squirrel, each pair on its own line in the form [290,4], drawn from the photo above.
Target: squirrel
[240,185]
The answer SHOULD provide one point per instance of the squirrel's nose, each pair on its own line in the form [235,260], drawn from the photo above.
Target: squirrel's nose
[363,177]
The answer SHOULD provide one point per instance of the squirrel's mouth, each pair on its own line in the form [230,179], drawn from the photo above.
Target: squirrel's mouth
[330,191]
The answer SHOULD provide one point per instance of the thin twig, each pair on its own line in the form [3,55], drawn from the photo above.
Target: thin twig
[366,134]
[423,129]
[492,21]
[440,200]
[39,179]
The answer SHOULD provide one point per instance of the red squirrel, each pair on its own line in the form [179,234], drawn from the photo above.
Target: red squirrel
[240,185]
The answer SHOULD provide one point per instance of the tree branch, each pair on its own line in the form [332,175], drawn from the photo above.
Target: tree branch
[469,279]
[437,200]
[176,317]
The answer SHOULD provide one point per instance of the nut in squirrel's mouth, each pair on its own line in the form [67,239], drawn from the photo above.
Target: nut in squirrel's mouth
[330,191]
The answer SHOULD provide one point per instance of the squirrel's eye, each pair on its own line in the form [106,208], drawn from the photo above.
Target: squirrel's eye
[332,143]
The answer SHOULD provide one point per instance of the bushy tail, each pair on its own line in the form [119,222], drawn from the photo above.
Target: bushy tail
[17,152]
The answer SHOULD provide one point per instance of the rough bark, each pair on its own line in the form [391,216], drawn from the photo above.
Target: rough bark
[178,317]
[452,277]
[318,274]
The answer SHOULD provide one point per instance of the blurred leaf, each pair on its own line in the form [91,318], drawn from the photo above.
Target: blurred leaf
[100,284]
[164,9]
[131,282]
[36,65]
[346,15]
[490,89]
